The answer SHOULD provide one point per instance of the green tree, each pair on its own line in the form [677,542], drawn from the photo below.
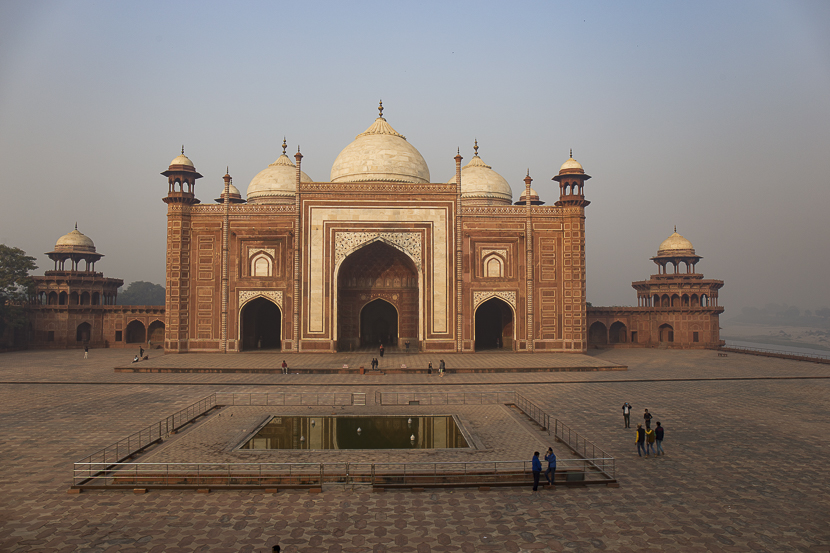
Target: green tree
[15,285]
[141,293]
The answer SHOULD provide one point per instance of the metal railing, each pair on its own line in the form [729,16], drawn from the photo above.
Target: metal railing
[443,398]
[765,352]
[134,443]
[107,467]
[562,432]
[285,398]
[311,475]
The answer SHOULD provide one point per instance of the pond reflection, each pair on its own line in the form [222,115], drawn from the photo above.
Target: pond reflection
[424,432]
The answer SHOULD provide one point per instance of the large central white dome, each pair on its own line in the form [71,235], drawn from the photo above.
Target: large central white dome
[380,154]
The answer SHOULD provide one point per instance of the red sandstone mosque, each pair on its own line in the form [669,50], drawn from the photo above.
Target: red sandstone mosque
[377,254]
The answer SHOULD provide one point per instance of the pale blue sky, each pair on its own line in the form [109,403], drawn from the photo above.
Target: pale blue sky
[714,116]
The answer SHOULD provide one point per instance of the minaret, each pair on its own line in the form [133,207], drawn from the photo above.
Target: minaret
[529,330]
[571,179]
[459,257]
[181,185]
[572,202]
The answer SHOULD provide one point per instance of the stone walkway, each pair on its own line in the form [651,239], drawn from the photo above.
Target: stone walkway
[747,441]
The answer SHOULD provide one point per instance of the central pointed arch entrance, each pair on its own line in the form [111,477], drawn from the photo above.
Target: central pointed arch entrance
[261,325]
[377,299]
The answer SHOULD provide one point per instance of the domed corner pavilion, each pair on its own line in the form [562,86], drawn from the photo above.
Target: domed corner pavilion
[676,308]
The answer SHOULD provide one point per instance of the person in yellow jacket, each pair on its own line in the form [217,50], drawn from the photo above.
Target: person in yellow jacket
[650,439]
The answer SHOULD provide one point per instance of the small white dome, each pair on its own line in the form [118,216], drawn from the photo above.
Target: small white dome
[480,182]
[380,154]
[74,241]
[182,159]
[278,180]
[675,245]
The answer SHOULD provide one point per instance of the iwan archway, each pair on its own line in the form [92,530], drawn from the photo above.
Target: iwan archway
[377,271]
[260,325]
[494,325]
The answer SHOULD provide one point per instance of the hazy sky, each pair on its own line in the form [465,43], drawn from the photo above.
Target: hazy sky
[712,116]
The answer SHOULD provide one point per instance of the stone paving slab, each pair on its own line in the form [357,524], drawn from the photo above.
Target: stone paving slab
[745,470]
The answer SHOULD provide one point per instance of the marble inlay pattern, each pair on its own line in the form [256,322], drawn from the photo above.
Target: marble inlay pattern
[483,295]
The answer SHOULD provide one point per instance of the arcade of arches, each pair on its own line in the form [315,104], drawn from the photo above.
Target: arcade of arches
[261,325]
[377,298]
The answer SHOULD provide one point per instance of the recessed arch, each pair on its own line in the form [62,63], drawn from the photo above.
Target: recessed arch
[377,270]
[598,334]
[494,325]
[379,323]
[136,332]
[493,266]
[262,265]
[666,332]
[260,324]
[83,333]
[618,333]
[155,332]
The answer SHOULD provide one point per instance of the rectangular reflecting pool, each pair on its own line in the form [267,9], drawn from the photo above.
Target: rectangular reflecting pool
[399,432]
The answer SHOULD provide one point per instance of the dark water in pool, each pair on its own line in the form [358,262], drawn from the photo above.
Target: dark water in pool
[404,432]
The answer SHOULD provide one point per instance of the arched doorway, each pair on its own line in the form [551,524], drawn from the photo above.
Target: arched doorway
[261,326]
[598,334]
[83,332]
[378,323]
[155,333]
[136,333]
[666,333]
[617,333]
[377,271]
[494,325]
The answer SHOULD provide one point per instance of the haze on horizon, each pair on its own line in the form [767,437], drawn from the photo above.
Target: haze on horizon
[711,116]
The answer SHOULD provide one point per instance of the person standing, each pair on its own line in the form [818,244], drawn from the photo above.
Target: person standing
[441,367]
[407,346]
[429,368]
[550,474]
[627,414]
[650,441]
[658,434]
[86,351]
[647,417]
[641,440]
[140,352]
[381,350]
[536,467]
[284,367]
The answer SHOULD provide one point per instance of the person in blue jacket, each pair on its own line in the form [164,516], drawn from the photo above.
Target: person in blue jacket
[536,467]
[550,474]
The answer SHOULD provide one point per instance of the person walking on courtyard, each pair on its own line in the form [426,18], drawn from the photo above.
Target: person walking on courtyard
[550,474]
[627,414]
[86,351]
[641,440]
[429,368]
[650,442]
[441,367]
[140,352]
[647,417]
[284,367]
[536,467]
[381,350]
[658,434]
[375,363]
[407,346]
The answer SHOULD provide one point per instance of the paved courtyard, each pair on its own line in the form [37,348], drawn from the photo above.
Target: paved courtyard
[747,442]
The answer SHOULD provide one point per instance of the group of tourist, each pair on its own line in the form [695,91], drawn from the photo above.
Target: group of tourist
[648,441]
[536,468]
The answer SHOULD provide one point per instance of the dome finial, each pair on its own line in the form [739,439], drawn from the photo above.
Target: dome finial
[284,145]
[182,149]
[675,228]
[476,147]
[76,225]
[572,153]
[380,109]
[528,171]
